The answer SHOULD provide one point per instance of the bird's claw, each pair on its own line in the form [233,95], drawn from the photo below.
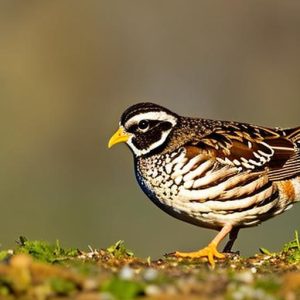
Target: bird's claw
[210,252]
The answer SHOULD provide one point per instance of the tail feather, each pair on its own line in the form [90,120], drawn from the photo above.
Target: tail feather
[291,167]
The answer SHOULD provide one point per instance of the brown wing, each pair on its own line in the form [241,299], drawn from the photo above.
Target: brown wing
[293,134]
[257,148]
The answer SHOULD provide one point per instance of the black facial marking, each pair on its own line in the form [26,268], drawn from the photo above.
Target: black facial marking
[143,140]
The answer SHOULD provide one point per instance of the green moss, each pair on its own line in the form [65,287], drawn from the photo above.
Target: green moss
[43,251]
[4,287]
[62,286]
[291,250]
[123,289]
[270,285]
[4,254]
[118,250]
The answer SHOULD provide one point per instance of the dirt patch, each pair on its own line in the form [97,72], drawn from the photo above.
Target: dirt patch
[39,270]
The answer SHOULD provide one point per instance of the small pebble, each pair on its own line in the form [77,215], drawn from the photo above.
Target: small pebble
[152,290]
[90,284]
[150,274]
[106,296]
[126,273]
[246,277]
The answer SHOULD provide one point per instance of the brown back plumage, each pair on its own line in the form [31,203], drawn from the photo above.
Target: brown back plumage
[257,148]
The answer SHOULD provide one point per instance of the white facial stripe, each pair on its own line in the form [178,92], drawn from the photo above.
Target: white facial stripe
[159,115]
[139,152]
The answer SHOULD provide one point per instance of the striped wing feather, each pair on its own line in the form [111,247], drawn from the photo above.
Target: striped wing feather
[257,148]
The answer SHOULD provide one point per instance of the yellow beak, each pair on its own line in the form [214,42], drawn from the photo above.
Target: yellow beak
[119,136]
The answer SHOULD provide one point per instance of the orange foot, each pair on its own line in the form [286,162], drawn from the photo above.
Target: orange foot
[210,252]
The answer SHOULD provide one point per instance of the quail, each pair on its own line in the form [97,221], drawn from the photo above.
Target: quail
[221,175]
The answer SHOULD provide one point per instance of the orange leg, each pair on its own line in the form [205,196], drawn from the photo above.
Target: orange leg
[211,250]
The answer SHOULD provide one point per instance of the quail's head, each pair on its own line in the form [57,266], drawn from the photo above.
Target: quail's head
[145,128]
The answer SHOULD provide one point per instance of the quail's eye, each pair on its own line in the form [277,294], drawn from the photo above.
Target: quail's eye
[143,125]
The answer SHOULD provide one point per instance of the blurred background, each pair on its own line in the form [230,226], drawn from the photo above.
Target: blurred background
[68,69]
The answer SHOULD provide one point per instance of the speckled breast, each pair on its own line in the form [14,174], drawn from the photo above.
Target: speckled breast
[160,179]
[154,174]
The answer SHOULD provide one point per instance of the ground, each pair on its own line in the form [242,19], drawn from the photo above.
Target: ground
[39,270]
